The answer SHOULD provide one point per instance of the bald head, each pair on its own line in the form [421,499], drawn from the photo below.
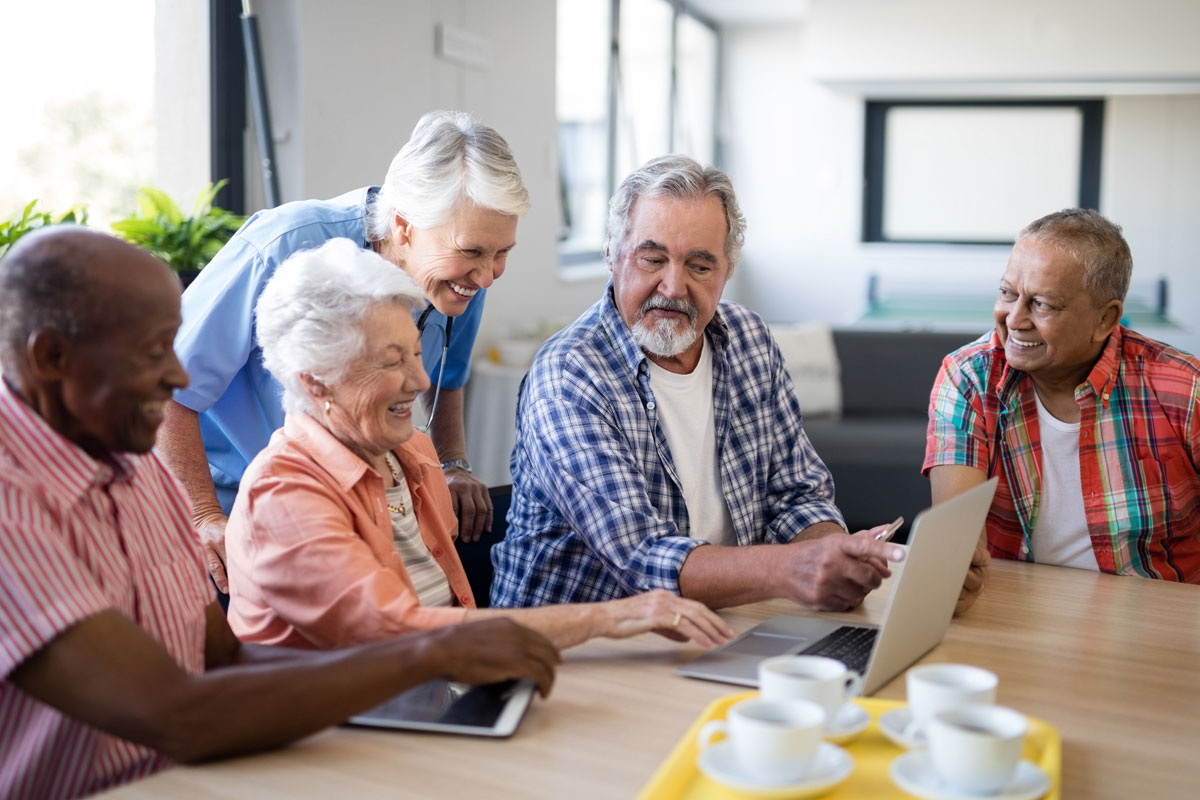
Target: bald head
[75,282]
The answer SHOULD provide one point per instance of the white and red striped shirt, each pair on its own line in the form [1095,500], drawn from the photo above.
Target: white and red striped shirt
[78,536]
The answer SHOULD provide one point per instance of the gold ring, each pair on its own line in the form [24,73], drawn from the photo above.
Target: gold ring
[675,623]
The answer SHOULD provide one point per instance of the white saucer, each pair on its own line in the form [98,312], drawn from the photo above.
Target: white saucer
[831,766]
[893,723]
[847,722]
[913,772]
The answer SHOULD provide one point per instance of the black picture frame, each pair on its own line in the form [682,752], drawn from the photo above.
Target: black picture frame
[874,166]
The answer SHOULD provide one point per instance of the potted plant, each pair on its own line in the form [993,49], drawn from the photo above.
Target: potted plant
[30,220]
[186,243]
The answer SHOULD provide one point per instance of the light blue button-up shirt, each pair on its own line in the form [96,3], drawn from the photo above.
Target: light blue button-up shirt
[237,399]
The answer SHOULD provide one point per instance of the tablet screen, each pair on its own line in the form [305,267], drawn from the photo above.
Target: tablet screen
[442,706]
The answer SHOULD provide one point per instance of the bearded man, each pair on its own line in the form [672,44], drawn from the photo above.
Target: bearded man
[659,441]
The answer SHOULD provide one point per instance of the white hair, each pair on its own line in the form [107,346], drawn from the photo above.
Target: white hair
[450,159]
[310,315]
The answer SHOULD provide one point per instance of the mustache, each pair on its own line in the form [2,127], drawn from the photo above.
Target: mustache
[682,306]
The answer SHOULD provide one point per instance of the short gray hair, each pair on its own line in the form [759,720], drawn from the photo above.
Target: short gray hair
[681,177]
[42,287]
[309,318]
[450,159]
[1095,242]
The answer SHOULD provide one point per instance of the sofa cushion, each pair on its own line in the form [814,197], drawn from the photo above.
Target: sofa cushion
[887,373]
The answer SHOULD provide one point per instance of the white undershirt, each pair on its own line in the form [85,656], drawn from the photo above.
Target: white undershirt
[430,582]
[685,412]
[1060,534]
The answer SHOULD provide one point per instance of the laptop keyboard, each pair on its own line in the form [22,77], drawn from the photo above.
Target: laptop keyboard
[850,644]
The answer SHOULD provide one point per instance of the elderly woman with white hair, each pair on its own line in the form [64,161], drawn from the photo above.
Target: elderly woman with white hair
[342,531]
[446,214]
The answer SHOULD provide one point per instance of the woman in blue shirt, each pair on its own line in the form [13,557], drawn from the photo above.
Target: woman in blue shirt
[446,214]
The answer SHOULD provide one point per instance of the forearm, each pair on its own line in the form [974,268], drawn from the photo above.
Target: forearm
[182,449]
[107,672]
[448,431]
[819,530]
[721,577]
[268,699]
[565,625]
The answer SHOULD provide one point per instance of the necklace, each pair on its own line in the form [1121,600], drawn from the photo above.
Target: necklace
[394,468]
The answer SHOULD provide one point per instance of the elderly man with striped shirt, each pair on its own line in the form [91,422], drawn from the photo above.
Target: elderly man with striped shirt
[1092,428]
[114,657]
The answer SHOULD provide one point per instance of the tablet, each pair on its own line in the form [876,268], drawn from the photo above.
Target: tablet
[444,707]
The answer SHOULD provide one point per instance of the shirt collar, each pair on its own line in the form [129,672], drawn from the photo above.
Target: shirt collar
[1104,374]
[634,356]
[343,463]
[53,462]
[1100,380]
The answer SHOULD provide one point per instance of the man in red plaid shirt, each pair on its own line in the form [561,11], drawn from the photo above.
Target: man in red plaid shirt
[1092,428]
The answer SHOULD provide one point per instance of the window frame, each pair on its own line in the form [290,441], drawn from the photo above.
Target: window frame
[574,261]
[875,143]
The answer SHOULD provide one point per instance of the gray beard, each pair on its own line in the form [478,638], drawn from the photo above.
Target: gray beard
[664,338]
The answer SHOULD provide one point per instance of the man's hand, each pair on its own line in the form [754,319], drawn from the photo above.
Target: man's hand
[977,575]
[836,571]
[212,538]
[472,504]
[493,650]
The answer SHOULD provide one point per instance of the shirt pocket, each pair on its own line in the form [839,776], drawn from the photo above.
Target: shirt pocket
[1170,495]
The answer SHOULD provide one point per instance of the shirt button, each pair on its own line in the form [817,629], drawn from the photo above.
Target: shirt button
[437,552]
[650,406]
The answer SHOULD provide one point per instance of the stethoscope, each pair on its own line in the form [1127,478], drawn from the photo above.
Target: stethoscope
[437,392]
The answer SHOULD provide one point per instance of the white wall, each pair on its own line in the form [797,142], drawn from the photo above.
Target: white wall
[348,80]
[794,142]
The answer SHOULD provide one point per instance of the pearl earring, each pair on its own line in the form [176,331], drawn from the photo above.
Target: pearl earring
[328,405]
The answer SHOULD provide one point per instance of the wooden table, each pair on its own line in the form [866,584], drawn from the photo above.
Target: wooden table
[1113,663]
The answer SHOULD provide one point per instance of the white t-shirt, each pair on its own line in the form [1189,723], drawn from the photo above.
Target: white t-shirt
[1060,534]
[433,588]
[685,412]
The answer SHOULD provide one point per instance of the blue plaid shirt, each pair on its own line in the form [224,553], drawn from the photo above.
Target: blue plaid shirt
[597,510]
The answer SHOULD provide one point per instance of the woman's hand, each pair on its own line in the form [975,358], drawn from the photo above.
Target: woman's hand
[667,615]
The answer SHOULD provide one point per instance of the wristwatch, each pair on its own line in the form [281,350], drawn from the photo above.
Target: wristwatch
[456,463]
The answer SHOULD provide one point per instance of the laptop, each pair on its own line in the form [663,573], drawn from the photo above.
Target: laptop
[916,618]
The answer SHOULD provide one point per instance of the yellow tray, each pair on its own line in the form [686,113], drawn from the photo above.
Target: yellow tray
[873,753]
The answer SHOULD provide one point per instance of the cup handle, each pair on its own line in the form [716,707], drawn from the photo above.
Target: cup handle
[710,729]
[853,684]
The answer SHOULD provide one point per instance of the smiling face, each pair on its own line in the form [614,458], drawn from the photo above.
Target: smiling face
[371,407]
[669,275]
[1050,325]
[115,380]
[454,260]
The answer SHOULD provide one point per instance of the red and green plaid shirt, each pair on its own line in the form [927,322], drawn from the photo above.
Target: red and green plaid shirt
[1139,447]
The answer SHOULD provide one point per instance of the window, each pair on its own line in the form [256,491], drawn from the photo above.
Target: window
[80,102]
[976,172]
[636,79]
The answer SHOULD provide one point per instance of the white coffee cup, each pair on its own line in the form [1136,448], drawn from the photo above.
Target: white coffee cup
[976,749]
[825,681]
[772,740]
[935,687]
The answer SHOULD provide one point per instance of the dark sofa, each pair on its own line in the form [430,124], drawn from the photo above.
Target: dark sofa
[876,447]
